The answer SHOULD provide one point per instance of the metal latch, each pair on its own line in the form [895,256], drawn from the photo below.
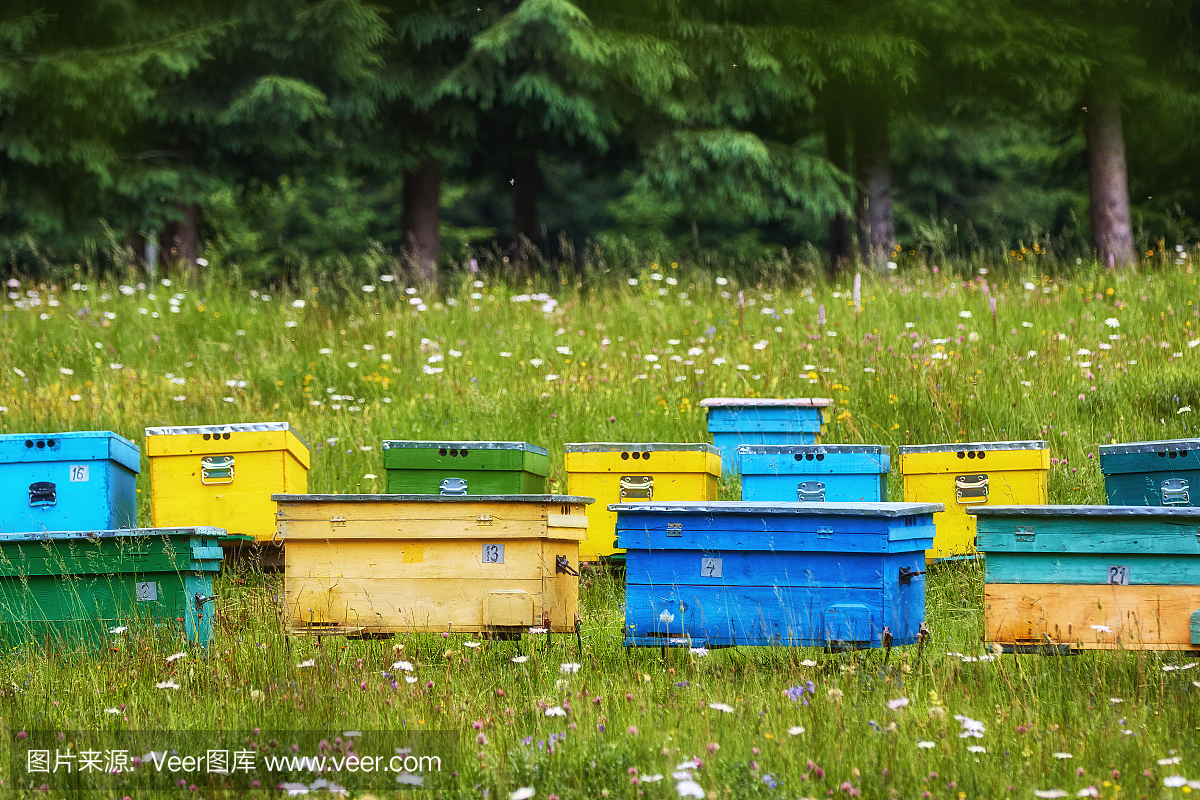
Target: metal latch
[971,488]
[676,529]
[637,487]
[216,469]
[1175,492]
[42,493]
[811,492]
[1024,533]
[202,599]
[907,574]
[563,567]
[456,487]
[337,522]
[484,519]
[824,533]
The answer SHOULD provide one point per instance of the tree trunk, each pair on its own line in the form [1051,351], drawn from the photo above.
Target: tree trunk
[841,248]
[178,243]
[421,217]
[876,226]
[1108,184]
[527,185]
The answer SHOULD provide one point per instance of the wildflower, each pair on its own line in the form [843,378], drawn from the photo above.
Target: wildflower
[1184,409]
[1050,794]
[633,281]
[899,702]
[556,711]
[297,304]
[1063,756]
[569,668]
[524,793]
[728,709]
[689,788]
[699,652]
[666,617]
[808,662]
[305,664]
[976,749]
[925,745]
[633,730]
[471,645]
[166,685]
[761,344]
[1112,322]
[970,727]
[795,730]
[1163,762]
[176,657]
[1088,791]
[769,780]
[1174,781]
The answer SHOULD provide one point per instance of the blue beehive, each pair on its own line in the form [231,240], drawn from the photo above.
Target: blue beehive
[831,473]
[734,421]
[719,574]
[80,481]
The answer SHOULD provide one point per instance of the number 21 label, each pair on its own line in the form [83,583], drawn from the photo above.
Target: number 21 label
[493,554]
[1118,575]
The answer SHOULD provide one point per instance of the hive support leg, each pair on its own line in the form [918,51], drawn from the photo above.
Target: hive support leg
[887,645]
[549,633]
[923,634]
[579,636]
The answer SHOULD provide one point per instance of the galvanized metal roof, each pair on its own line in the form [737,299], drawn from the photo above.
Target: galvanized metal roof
[619,447]
[1029,444]
[41,536]
[397,444]
[1187,512]
[798,402]
[237,427]
[783,508]
[432,498]
[790,449]
[1162,445]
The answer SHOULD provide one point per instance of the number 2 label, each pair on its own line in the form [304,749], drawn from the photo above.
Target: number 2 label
[79,473]
[493,554]
[1118,575]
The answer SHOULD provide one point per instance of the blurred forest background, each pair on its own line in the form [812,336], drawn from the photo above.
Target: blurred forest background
[274,136]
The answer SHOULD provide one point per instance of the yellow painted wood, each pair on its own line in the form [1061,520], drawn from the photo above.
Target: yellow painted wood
[1136,617]
[188,444]
[243,506]
[1015,477]
[678,475]
[412,566]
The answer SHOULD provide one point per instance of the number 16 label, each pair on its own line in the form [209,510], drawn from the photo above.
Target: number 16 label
[493,554]
[1118,575]
[79,473]
[710,567]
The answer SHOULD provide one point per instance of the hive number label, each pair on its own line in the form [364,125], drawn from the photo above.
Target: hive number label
[79,473]
[1118,575]
[710,567]
[147,592]
[493,554]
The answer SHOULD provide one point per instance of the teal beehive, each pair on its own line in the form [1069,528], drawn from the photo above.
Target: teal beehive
[78,481]
[833,473]
[1162,473]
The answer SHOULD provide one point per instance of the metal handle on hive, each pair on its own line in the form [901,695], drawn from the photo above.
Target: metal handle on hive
[637,487]
[907,574]
[811,492]
[42,493]
[1174,492]
[971,488]
[453,487]
[216,470]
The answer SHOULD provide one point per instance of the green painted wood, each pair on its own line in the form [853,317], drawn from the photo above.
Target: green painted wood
[1146,488]
[476,460]
[1030,534]
[408,481]
[1072,568]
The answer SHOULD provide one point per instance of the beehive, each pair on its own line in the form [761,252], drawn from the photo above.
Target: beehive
[379,564]
[72,587]
[617,473]
[83,480]
[832,473]
[780,573]
[1163,473]
[1091,577]
[963,476]
[734,421]
[465,467]
[224,475]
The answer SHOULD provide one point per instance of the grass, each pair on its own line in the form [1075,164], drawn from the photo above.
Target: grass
[357,367]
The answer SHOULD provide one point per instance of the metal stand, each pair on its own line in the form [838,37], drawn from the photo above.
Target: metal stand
[923,635]
[887,645]
[579,636]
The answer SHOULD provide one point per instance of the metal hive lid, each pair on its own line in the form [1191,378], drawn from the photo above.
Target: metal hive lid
[1161,445]
[794,402]
[773,508]
[789,449]
[1085,511]
[1028,444]
[402,444]
[237,427]
[617,447]
[432,498]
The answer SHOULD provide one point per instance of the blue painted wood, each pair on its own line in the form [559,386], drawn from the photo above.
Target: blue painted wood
[1162,473]
[774,573]
[765,419]
[728,444]
[1088,529]
[83,480]
[826,473]
[1086,569]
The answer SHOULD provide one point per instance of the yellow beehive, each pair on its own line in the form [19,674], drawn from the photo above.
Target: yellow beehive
[224,475]
[621,473]
[392,563]
[964,475]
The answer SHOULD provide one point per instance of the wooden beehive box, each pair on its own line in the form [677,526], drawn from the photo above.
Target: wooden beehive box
[1091,577]
[73,587]
[83,480]
[465,467]
[379,564]
[814,574]
[224,475]
[734,421]
[833,473]
[1163,473]
[967,475]
[618,473]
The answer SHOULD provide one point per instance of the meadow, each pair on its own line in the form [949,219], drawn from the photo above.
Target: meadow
[1017,350]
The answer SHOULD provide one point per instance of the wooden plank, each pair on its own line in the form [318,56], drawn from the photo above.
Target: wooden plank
[918,537]
[416,559]
[1141,569]
[763,569]
[837,488]
[291,530]
[408,510]
[944,463]
[1145,617]
[244,506]
[1087,535]
[195,445]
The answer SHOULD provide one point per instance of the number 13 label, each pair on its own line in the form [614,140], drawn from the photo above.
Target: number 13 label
[493,554]
[1118,575]
[710,567]
[79,473]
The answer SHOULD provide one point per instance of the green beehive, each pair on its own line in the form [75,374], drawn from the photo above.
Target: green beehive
[74,588]
[461,468]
